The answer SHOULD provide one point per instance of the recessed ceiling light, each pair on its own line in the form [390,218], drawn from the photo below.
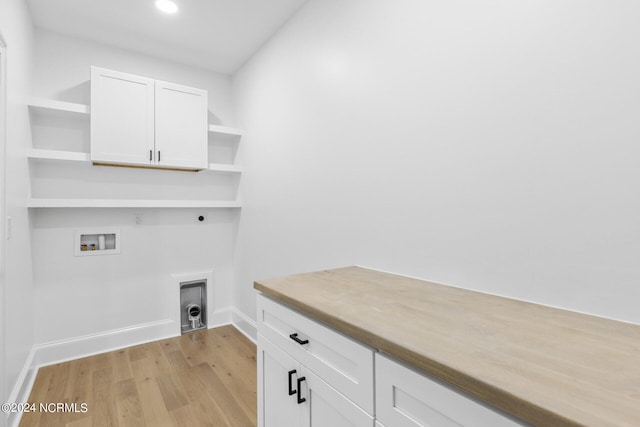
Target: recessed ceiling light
[167,6]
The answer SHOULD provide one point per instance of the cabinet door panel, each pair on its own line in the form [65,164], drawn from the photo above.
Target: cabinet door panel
[181,126]
[276,408]
[122,112]
[406,398]
[327,407]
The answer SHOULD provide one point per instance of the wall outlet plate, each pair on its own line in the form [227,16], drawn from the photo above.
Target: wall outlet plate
[138,219]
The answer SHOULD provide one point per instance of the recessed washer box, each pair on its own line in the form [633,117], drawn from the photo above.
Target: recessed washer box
[97,241]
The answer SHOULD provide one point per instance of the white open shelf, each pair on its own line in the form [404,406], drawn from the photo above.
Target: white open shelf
[51,105]
[225,130]
[70,109]
[130,203]
[73,156]
[76,156]
[222,167]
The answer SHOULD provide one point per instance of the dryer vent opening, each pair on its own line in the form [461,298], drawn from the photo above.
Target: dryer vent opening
[193,314]
[193,305]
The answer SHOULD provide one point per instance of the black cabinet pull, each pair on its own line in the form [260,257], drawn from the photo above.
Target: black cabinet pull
[298,340]
[291,391]
[150,155]
[300,399]
[158,155]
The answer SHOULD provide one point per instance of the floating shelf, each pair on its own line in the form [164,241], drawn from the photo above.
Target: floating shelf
[65,109]
[130,203]
[76,156]
[53,106]
[221,167]
[225,130]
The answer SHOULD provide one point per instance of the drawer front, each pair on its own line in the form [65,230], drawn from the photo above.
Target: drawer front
[405,398]
[344,364]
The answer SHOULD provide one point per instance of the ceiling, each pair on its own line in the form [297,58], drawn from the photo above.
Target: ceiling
[218,35]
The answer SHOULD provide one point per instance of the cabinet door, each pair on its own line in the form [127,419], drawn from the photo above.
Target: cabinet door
[122,117]
[181,126]
[277,372]
[327,407]
[405,398]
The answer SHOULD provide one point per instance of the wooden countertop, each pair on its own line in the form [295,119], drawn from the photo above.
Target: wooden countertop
[547,366]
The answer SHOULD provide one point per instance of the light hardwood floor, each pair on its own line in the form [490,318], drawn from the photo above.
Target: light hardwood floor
[204,378]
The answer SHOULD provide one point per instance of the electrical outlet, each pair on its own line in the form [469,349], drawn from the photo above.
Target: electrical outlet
[138,219]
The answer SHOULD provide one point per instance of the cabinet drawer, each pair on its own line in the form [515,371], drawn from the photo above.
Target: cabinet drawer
[406,398]
[344,364]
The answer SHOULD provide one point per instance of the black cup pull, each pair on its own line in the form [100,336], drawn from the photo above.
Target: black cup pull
[300,399]
[291,390]
[298,340]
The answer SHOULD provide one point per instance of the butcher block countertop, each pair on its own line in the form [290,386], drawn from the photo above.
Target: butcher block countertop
[547,366]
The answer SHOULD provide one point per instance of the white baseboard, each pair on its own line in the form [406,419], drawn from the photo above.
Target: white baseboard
[22,389]
[232,316]
[245,324]
[88,345]
[219,317]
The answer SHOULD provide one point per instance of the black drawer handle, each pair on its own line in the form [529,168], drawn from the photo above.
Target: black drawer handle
[300,399]
[291,391]
[298,340]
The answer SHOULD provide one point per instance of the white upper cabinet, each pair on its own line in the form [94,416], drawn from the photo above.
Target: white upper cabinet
[122,118]
[181,126]
[143,122]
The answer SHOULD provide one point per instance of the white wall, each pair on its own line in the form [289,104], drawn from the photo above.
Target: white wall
[79,297]
[490,145]
[16,30]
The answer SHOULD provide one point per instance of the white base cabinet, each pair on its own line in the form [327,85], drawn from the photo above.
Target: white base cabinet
[312,375]
[292,395]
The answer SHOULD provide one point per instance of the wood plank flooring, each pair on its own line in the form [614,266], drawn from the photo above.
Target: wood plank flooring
[204,378]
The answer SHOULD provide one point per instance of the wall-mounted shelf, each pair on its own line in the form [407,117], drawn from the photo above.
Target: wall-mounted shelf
[73,156]
[224,130]
[221,167]
[76,156]
[130,203]
[63,110]
[52,106]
